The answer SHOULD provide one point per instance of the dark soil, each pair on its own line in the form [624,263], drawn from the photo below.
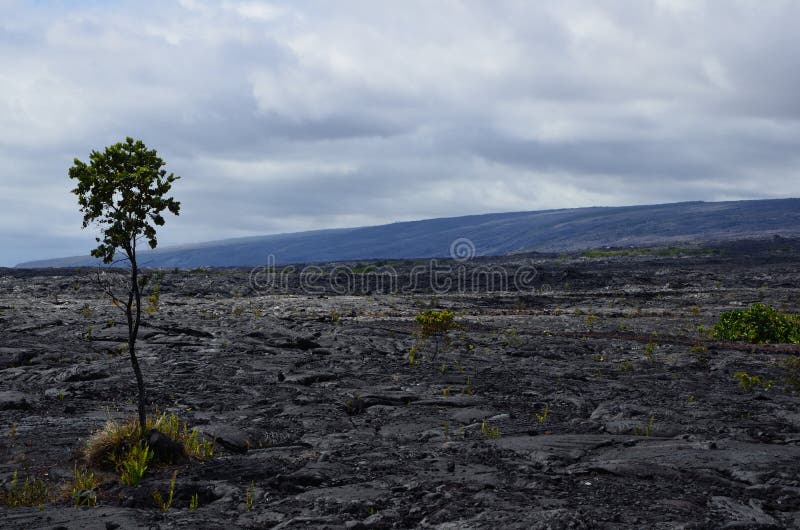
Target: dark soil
[590,400]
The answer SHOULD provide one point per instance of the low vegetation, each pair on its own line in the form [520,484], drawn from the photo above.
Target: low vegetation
[668,251]
[758,324]
[82,487]
[165,505]
[434,327]
[33,492]
[112,445]
[490,432]
[749,383]
[133,464]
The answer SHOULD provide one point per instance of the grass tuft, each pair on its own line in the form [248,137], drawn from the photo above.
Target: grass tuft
[32,492]
[115,439]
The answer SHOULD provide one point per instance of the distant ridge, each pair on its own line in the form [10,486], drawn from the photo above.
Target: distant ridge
[492,234]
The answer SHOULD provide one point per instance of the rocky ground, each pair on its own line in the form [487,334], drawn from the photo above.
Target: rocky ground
[587,400]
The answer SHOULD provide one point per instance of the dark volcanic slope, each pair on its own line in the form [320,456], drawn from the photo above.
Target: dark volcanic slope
[596,426]
[493,234]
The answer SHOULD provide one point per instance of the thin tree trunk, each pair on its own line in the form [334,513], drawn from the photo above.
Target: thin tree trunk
[134,317]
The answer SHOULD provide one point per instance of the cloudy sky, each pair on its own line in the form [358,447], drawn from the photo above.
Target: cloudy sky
[289,116]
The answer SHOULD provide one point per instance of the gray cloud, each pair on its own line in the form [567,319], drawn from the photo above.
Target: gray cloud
[288,116]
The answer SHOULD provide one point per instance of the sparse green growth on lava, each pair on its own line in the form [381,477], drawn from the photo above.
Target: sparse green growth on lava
[758,324]
[748,382]
[164,505]
[133,464]
[33,492]
[649,350]
[490,432]
[82,488]
[250,496]
[434,326]
[647,430]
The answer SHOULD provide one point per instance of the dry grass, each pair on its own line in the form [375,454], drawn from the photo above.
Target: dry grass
[115,439]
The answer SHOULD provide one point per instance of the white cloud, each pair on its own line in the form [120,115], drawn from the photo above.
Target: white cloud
[295,115]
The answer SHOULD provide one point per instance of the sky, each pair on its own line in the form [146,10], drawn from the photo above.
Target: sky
[291,116]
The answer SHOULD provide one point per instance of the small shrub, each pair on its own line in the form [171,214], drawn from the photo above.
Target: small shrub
[748,382]
[758,324]
[32,492]
[434,326]
[626,367]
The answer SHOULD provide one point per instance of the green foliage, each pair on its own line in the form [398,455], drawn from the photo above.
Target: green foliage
[82,489]
[647,430]
[133,464]
[153,299]
[194,502]
[649,350]
[541,417]
[32,492]
[413,358]
[700,354]
[748,382]
[113,440]
[490,432]
[626,367]
[165,505]
[468,390]
[432,322]
[250,496]
[668,251]
[512,339]
[123,190]
[434,326]
[758,324]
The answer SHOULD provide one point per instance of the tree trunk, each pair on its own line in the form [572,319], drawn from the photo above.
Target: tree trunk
[134,317]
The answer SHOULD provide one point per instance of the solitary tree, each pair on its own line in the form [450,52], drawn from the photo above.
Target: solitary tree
[123,192]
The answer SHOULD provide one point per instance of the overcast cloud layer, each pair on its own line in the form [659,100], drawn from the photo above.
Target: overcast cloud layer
[300,115]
